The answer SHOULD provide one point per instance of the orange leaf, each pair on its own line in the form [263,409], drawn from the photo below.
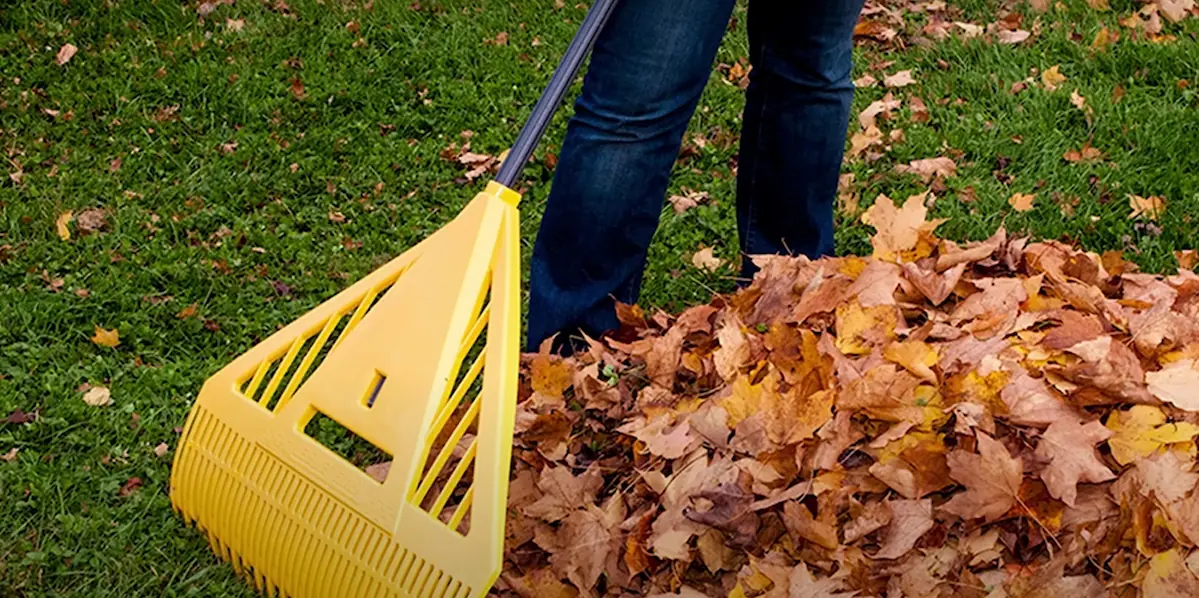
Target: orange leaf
[106,338]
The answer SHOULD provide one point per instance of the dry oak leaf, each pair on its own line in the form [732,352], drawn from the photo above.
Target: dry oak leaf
[65,53]
[1177,384]
[929,168]
[1151,207]
[992,479]
[1142,431]
[899,231]
[1069,447]
[106,338]
[1052,78]
[910,520]
[97,396]
[563,492]
[899,79]
[1021,202]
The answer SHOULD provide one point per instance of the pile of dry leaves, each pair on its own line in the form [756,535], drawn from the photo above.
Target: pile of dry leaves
[1005,418]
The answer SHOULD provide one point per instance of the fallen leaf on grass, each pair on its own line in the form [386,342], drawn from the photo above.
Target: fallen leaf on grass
[705,259]
[187,312]
[1052,78]
[884,107]
[919,109]
[1012,36]
[1021,202]
[98,396]
[899,79]
[19,417]
[689,199]
[1151,207]
[129,487]
[1086,153]
[11,455]
[62,225]
[929,168]
[1176,10]
[162,449]
[106,338]
[861,141]
[1187,258]
[65,53]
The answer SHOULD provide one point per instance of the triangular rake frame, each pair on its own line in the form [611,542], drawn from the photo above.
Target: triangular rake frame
[288,511]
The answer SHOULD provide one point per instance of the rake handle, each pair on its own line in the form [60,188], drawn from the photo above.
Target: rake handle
[550,99]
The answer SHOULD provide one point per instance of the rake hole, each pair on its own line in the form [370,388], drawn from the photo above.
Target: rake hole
[344,443]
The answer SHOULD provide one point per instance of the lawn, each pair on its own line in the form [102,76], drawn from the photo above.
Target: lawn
[224,173]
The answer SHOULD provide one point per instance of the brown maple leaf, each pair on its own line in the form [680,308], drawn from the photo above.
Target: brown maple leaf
[585,541]
[563,492]
[992,479]
[728,510]
[1069,447]
[910,520]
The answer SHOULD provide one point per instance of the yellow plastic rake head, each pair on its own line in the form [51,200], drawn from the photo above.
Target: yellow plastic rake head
[419,359]
[419,362]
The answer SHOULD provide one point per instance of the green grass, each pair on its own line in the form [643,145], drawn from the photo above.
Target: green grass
[250,241]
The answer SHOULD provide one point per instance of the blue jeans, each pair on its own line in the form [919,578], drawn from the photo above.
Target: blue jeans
[646,74]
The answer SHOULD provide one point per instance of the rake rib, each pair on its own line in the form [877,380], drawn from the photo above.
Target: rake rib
[446,450]
[452,484]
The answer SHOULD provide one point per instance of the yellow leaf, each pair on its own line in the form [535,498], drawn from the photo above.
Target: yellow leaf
[1021,202]
[901,233]
[1142,431]
[745,400]
[1152,206]
[64,231]
[106,338]
[916,356]
[859,329]
[1052,78]
[550,377]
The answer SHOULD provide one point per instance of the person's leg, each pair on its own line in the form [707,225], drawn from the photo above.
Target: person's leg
[646,73]
[796,117]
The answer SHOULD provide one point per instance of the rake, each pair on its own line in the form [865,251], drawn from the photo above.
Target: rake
[416,363]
